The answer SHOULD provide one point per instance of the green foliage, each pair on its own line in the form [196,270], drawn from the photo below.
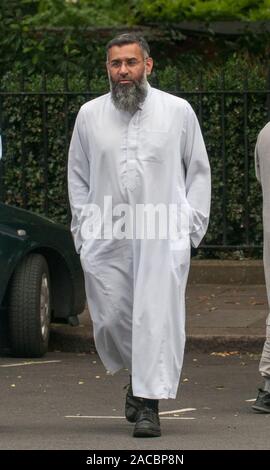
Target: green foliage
[26,40]
[56,35]
[236,192]
[205,10]
[80,13]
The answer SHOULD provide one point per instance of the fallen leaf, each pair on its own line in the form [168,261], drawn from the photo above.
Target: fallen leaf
[203,297]
[225,353]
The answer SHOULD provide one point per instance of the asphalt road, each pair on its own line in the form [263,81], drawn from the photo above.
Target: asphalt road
[67,401]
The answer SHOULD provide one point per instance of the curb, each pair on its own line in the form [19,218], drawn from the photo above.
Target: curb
[226,272]
[215,343]
[208,344]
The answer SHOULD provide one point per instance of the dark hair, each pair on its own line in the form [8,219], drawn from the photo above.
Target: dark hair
[129,38]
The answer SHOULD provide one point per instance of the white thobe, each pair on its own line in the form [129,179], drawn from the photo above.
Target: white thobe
[262,167]
[136,287]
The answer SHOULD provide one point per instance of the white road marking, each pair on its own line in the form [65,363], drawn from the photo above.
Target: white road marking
[251,399]
[96,417]
[176,417]
[28,363]
[183,410]
[123,417]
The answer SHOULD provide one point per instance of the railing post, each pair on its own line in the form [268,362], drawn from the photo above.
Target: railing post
[2,189]
[45,143]
[66,90]
[23,156]
[245,130]
[200,89]
[267,87]
[224,160]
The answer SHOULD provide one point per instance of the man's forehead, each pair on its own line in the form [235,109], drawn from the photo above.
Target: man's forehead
[125,51]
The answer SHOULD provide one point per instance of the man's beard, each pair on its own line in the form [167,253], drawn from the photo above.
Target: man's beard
[128,97]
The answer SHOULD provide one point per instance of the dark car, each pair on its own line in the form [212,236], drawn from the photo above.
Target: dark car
[41,279]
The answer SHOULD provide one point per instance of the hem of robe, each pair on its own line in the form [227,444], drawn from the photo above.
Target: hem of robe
[157,396]
[110,368]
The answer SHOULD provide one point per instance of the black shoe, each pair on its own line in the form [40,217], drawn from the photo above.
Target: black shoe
[262,404]
[133,405]
[147,424]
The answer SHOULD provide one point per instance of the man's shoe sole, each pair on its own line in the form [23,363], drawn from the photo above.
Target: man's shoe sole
[260,409]
[146,433]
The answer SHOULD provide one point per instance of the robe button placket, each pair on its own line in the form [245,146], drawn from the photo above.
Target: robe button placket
[132,148]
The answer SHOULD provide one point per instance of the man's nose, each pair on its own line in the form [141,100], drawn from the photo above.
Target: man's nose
[123,69]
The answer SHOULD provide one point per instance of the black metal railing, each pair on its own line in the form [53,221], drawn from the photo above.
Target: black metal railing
[36,126]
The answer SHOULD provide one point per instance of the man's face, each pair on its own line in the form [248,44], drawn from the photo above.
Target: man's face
[127,70]
[126,63]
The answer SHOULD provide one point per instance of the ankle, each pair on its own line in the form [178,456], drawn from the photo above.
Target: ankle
[267,385]
[152,404]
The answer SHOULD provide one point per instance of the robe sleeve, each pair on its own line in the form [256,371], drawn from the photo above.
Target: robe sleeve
[78,177]
[198,178]
[262,159]
[257,163]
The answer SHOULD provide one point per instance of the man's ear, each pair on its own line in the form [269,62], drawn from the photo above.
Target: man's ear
[149,65]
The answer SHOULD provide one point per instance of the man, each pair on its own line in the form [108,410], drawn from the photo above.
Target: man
[262,166]
[143,148]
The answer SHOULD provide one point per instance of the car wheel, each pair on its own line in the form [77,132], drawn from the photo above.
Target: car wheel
[30,307]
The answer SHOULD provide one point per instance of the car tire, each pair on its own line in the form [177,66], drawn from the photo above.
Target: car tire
[30,307]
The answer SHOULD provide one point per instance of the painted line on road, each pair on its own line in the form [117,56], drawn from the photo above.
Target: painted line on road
[176,417]
[183,410]
[28,363]
[123,417]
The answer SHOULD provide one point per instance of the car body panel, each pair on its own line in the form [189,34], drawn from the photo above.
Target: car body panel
[23,232]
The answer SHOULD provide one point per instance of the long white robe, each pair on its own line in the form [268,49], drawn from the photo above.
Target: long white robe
[136,287]
[262,168]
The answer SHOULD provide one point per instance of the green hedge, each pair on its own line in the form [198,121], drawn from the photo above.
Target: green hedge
[52,35]
[24,157]
[205,10]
